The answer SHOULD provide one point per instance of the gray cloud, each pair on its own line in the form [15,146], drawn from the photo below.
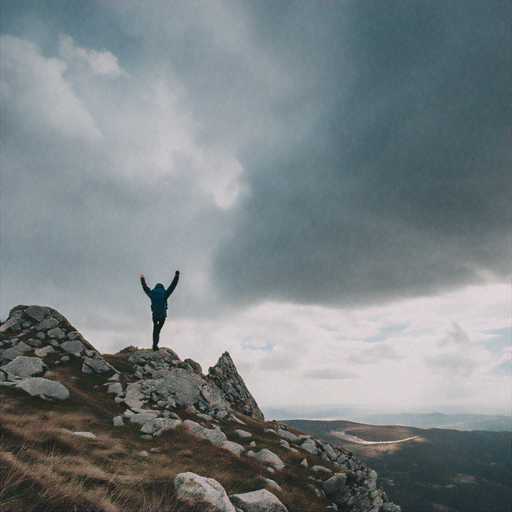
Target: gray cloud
[374,354]
[452,364]
[373,137]
[391,178]
[330,374]
[457,336]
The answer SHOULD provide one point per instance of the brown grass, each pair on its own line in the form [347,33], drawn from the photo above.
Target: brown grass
[46,468]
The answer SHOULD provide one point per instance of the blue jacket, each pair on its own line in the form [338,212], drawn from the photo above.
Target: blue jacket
[159,296]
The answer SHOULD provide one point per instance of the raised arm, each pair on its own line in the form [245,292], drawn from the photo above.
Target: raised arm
[173,284]
[144,285]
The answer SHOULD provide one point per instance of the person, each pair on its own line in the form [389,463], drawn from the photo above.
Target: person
[159,296]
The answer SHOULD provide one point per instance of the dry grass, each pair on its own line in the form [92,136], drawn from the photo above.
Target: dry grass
[45,467]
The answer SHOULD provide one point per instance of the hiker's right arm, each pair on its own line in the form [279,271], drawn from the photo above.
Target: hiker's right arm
[144,285]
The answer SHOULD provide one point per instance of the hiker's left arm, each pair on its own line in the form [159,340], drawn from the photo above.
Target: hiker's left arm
[173,285]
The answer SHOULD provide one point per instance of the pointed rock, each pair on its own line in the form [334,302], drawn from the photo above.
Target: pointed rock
[225,376]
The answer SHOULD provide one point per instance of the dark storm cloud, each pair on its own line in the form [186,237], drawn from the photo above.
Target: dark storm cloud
[374,140]
[391,175]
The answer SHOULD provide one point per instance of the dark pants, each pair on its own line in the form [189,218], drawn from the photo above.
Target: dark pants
[158,323]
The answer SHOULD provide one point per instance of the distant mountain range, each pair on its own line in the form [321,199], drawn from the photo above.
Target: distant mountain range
[428,469]
[492,423]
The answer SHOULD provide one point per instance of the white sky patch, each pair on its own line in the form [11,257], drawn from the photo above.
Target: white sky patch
[35,88]
[100,62]
[413,365]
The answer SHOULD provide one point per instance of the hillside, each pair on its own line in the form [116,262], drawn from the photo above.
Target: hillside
[428,469]
[146,431]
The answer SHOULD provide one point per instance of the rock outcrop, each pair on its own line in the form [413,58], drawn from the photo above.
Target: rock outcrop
[33,334]
[225,375]
[159,393]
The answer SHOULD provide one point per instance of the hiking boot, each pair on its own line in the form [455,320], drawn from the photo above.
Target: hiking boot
[155,348]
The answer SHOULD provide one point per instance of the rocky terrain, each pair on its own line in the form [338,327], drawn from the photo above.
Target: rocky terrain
[144,430]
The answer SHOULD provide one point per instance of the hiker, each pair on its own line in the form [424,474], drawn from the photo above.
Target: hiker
[159,296]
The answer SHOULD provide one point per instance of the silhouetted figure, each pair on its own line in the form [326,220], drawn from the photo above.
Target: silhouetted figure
[159,296]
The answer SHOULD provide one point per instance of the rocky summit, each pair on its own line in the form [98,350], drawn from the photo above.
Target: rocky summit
[144,430]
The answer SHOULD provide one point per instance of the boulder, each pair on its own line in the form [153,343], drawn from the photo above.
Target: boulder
[44,388]
[242,433]
[47,324]
[143,417]
[268,457]
[118,421]
[95,365]
[335,486]
[9,354]
[157,426]
[72,346]
[37,313]
[185,388]
[258,501]
[115,387]
[24,367]
[56,333]
[310,446]
[214,435]
[235,448]
[226,377]
[43,352]
[13,323]
[288,435]
[202,493]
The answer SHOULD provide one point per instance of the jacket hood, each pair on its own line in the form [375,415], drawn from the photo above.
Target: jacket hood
[159,285]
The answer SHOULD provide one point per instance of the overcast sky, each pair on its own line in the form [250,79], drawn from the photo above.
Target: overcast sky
[332,179]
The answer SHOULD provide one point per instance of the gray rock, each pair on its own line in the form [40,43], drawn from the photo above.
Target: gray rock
[64,359]
[9,354]
[336,486]
[72,346]
[273,485]
[89,435]
[258,501]
[47,324]
[96,365]
[199,492]
[57,333]
[268,457]
[38,313]
[226,377]
[44,388]
[115,387]
[42,352]
[143,417]
[134,397]
[24,367]
[321,469]
[215,435]
[390,507]
[22,347]
[242,433]
[73,335]
[235,448]
[13,323]
[288,435]
[310,446]
[157,426]
[304,463]
[118,421]
[41,335]
[34,342]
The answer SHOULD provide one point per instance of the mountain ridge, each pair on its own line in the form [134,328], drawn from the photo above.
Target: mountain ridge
[81,430]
